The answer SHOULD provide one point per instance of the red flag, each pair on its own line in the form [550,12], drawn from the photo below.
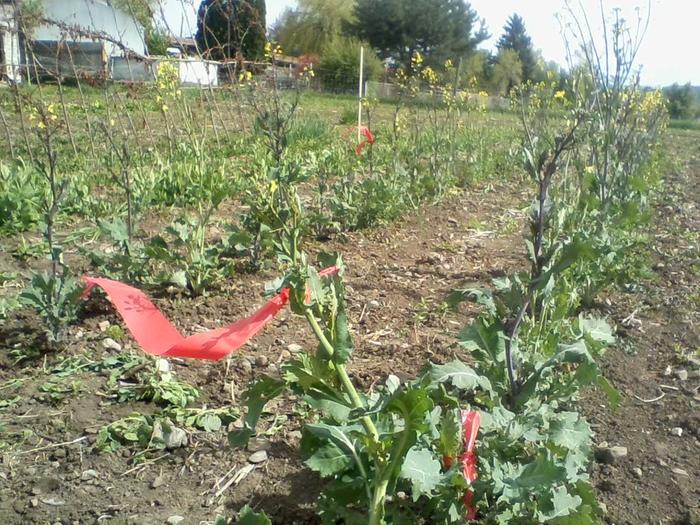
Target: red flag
[158,336]
[471,419]
[369,139]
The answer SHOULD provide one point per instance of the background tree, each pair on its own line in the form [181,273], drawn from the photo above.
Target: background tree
[143,12]
[339,67]
[438,29]
[507,71]
[475,69]
[682,101]
[310,26]
[227,28]
[516,38]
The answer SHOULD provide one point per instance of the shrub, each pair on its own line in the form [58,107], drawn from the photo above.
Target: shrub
[339,68]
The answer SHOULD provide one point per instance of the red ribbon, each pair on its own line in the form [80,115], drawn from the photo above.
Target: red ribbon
[158,336]
[471,419]
[369,139]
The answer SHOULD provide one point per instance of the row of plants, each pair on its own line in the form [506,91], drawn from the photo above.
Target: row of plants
[345,186]
[399,453]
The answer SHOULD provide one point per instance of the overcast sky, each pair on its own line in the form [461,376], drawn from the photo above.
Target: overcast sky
[670,52]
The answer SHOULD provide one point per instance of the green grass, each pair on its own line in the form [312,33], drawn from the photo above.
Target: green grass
[685,124]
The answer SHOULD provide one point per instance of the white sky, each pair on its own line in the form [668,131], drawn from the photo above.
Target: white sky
[670,52]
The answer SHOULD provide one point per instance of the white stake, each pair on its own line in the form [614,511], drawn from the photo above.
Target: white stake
[359,94]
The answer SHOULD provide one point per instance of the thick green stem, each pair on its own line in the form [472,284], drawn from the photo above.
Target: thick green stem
[342,374]
[376,509]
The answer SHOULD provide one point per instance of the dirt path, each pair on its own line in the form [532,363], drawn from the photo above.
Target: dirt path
[397,281]
[659,481]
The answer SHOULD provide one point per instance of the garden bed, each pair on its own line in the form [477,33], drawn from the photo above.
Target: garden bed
[398,278]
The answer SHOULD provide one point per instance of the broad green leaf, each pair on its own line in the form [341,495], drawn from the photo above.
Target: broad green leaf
[597,329]
[338,435]
[576,353]
[329,459]
[311,376]
[570,430]
[539,474]
[392,383]
[561,504]
[210,422]
[496,419]
[488,338]
[329,406]
[460,375]
[257,396]
[315,286]
[249,517]
[587,513]
[179,279]
[613,395]
[342,342]
[480,297]
[423,470]
[450,433]
[414,407]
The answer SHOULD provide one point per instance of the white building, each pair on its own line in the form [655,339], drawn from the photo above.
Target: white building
[10,48]
[77,37]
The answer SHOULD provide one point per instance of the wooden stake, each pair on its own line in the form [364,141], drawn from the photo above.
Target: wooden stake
[359,95]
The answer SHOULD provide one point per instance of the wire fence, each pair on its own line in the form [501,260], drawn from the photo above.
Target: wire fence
[89,61]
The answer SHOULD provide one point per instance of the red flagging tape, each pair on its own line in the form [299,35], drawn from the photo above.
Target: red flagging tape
[369,139]
[158,336]
[471,419]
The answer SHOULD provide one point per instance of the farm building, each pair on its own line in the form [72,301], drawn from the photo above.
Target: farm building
[72,38]
[10,54]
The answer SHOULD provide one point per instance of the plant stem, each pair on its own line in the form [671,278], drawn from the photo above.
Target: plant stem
[349,388]
[376,509]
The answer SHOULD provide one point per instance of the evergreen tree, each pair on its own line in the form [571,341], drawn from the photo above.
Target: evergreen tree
[516,38]
[438,29]
[228,28]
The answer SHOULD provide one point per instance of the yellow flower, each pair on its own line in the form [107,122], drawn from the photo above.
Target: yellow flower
[448,64]
[417,58]
[41,125]
[483,94]
[111,122]
[560,95]
[51,108]
[430,75]
[164,108]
